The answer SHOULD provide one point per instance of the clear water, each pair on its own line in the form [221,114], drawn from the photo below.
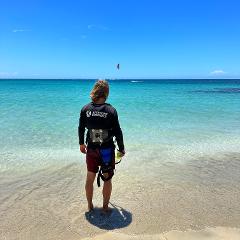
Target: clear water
[181,169]
[159,118]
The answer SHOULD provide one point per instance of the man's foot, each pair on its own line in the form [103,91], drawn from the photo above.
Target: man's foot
[90,207]
[106,212]
[106,209]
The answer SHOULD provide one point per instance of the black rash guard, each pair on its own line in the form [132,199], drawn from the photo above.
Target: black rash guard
[100,116]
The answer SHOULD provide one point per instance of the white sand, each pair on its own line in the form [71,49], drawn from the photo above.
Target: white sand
[50,204]
[219,233]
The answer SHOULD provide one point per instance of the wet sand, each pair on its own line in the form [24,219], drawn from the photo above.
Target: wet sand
[197,199]
[218,233]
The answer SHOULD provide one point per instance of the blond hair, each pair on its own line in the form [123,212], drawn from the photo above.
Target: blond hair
[100,90]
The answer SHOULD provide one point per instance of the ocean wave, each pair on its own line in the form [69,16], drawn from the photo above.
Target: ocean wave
[219,90]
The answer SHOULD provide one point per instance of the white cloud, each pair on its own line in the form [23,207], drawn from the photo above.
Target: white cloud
[8,74]
[90,26]
[20,30]
[217,72]
[98,27]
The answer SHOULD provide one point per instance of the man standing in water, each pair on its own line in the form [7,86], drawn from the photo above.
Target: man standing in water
[101,121]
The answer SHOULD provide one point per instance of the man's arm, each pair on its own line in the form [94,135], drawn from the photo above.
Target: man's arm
[117,132]
[81,131]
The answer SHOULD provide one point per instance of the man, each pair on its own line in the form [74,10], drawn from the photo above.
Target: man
[101,120]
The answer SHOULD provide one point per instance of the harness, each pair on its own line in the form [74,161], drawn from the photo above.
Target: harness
[106,170]
[99,136]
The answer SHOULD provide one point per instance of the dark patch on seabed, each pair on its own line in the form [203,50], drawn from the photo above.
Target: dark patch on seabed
[219,90]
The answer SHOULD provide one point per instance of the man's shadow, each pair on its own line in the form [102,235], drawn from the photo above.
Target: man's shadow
[116,218]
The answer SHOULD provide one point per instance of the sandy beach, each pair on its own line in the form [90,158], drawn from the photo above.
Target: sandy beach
[50,204]
[206,234]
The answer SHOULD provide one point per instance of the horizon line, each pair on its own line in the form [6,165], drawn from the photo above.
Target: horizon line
[116,79]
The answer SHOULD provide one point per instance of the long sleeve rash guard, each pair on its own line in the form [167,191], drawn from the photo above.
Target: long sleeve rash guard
[100,116]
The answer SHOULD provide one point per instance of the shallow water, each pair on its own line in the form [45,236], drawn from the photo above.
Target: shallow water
[181,169]
[39,118]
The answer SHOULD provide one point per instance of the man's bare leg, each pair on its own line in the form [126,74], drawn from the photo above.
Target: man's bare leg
[89,188]
[107,190]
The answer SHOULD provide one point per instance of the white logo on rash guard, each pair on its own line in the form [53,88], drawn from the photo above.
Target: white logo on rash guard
[99,114]
[96,114]
[89,113]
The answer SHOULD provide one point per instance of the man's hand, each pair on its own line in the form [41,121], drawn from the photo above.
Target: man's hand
[122,153]
[83,148]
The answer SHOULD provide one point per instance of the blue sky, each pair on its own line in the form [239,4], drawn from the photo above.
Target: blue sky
[150,39]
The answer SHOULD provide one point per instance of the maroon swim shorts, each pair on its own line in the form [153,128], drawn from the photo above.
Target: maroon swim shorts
[93,160]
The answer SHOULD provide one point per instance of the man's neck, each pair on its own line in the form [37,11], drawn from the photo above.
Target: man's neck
[100,101]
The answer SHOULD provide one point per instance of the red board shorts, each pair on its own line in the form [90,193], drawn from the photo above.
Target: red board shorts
[93,160]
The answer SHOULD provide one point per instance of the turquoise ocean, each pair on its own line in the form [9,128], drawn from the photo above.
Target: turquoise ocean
[179,134]
[39,119]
